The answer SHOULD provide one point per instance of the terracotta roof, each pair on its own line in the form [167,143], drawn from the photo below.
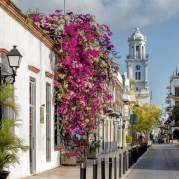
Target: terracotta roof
[16,13]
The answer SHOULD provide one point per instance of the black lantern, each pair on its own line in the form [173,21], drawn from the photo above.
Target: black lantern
[14,58]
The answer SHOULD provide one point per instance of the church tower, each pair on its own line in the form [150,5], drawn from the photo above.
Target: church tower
[137,66]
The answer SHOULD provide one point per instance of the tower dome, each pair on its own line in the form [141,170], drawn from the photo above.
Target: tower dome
[137,35]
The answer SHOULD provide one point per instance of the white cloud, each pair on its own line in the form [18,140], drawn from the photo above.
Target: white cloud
[119,14]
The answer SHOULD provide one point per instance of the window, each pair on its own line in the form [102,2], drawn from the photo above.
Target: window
[177,91]
[32,124]
[137,48]
[138,75]
[103,142]
[137,51]
[48,122]
[57,128]
[137,67]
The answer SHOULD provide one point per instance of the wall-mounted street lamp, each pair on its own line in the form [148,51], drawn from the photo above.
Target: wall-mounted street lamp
[14,60]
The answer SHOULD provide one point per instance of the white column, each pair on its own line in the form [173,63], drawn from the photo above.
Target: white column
[144,55]
[146,73]
[130,50]
[134,50]
[131,71]
[120,133]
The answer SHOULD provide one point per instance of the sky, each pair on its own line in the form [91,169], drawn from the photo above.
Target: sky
[158,20]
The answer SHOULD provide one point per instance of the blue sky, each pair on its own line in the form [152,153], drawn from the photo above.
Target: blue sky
[163,48]
[158,19]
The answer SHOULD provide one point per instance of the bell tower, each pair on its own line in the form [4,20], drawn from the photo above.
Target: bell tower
[137,66]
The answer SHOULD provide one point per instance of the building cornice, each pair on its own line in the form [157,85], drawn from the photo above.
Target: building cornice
[49,75]
[33,69]
[13,11]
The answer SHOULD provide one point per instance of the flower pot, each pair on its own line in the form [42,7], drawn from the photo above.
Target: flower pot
[66,160]
[82,159]
[4,174]
[92,154]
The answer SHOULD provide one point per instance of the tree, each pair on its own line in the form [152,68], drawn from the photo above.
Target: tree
[147,118]
[175,114]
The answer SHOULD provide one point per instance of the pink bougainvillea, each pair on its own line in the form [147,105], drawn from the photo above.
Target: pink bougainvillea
[83,71]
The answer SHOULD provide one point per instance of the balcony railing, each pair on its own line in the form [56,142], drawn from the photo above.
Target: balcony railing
[131,57]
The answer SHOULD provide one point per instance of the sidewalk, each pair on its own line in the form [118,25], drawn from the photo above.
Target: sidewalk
[60,173]
[73,172]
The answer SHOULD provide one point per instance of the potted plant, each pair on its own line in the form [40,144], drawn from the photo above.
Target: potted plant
[9,146]
[93,145]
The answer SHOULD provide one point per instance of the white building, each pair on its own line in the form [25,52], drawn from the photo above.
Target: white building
[173,90]
[33,90]
[137,66]
[172,100]
[110,127]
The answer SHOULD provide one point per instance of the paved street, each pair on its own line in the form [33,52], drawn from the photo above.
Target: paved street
[160,162]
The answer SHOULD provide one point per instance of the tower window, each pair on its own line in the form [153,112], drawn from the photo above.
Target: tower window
[137,75]
[137,48]
[137,51]
[137,67]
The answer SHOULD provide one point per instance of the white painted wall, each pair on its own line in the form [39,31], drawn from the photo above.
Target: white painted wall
[174,84]
[37,54]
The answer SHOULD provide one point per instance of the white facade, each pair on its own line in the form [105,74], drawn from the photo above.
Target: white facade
[137,66]
[110,131]
[172,100]
[173,91]
[35,54]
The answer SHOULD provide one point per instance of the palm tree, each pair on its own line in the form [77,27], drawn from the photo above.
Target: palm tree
[10,144]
